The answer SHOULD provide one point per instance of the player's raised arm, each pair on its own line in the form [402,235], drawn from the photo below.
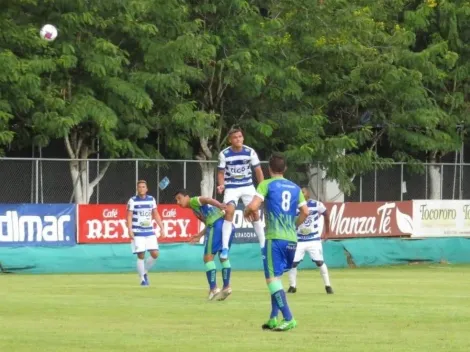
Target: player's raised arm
[303,210]
[256,164]
[221,173]
[130,210]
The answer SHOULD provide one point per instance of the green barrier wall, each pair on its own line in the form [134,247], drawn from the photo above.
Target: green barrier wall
[185,257]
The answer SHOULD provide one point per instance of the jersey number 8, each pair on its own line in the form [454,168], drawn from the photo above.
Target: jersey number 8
[286,197]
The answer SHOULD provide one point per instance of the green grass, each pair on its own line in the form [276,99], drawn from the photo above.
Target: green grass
[417,308]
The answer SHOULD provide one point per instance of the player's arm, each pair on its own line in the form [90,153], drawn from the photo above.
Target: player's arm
[221,173]
[197,237]
[303,210]
[258,199]
[256,164]
[156,216]
[326,217]
[130,209]
[211,201]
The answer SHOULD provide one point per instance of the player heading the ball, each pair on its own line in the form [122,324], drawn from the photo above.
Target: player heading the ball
[210,212]
[235,180]
[282,198]
[141,211]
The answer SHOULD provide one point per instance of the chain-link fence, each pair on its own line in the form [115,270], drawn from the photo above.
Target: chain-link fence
[113,181]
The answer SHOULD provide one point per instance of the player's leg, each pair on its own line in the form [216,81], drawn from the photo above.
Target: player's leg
[247,197]
[316,254]
[226,266]
[231,197]
[299,256]
[276,260]
[152,248]
[138,248]
[211,270]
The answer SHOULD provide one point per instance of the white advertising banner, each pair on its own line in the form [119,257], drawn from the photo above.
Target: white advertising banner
[441,218]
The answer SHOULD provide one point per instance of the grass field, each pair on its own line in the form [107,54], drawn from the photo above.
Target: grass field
[408,308]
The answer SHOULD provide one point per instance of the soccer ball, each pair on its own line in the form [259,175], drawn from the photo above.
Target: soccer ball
[48,32]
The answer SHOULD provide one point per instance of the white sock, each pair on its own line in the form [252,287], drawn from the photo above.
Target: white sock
[293,277]
[149,263]
[259,230]
[141,268]
[324,274]
[226,232]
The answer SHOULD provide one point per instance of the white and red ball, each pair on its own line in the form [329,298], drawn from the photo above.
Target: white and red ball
[48,32]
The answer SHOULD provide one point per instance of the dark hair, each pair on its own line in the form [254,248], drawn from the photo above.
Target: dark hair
[277,163]
[183,192]
[233,130]
[142,181]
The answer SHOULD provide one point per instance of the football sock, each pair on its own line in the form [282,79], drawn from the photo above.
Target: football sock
[324,274]
[293,277]
[141,268]
[226,232]
[226,271]
[149,263]
[278,294]
[259,230]
[211,274]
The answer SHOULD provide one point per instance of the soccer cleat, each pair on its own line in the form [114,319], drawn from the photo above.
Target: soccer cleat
[270,324]
[146,278]
[214,294]
[144,283]
[329,290]
[286,325]
[292,289]
[224,253]
[225,293]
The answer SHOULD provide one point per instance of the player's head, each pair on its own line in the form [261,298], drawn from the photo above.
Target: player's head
[142,188]
[182,198]
[235,137]
[277,164]
[306,192]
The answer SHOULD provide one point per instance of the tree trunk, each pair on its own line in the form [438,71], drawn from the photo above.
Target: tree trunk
[83,188]
[435,178]
[207,169]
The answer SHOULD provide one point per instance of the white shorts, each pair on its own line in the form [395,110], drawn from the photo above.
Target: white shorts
[313,248]
[246,194]
[142,244]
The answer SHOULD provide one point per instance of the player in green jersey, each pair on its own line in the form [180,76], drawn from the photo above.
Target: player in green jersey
[211,213]
[282,198]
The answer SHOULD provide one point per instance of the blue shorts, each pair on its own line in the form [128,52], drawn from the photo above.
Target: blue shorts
[278,257]
[213,237]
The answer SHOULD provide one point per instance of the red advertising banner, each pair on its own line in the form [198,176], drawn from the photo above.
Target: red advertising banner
[370,219]
[106,223]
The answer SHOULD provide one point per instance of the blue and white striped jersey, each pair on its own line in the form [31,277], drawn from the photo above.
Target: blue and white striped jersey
[238,166]
[309,230]
[142,215]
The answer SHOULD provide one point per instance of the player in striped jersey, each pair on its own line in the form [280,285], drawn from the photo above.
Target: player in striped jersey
[235,180]
[309,240]
[141,211]
[210,212]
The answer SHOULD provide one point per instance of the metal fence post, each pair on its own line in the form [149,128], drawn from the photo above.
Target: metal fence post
[37,181]
[318,182]
[158,180]
[136,171]
[441,179]
[401,182]
[184,174]
[375,182]
[360,188]
[87,190]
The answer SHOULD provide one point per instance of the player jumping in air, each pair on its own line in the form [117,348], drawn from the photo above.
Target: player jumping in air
[282,198]
[309,240]
[141,211]
[210,212]
[236,181]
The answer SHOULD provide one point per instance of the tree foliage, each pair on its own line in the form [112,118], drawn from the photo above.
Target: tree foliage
[324,81]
